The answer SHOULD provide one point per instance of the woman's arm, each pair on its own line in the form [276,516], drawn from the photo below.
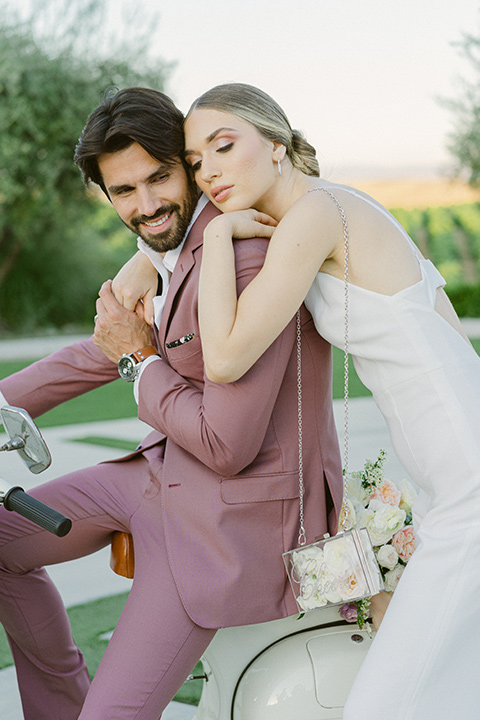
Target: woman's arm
[137,281]
[235,333]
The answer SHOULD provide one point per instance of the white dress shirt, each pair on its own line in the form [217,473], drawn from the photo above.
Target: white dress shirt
[165,265]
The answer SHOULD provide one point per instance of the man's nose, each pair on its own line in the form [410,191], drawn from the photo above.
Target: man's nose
[148,202]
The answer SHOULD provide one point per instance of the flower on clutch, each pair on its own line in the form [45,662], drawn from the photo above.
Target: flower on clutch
[385,510]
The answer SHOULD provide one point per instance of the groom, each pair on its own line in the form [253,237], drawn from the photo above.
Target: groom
[210,496]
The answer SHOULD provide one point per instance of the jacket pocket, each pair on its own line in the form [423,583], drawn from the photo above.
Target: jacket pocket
[260,488]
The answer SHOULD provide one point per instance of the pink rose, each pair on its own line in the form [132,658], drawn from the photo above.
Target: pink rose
[349,612]
[388,493]
[404,543]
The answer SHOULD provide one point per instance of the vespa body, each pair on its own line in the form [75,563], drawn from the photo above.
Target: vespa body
[297,667]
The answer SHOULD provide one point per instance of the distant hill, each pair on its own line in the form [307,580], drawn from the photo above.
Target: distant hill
[417,192]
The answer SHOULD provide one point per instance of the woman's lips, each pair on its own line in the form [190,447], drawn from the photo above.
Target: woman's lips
[221,193]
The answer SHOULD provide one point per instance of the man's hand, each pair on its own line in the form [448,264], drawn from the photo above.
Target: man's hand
[117,330]
[136,285]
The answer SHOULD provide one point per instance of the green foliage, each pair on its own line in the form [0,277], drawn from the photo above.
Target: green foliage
[466,300]
[464,141]
[57,244]
[450,237]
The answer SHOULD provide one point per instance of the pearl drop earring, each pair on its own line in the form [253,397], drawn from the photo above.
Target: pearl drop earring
[279,166]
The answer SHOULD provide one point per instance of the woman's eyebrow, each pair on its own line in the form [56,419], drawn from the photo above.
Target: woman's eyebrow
[211,137]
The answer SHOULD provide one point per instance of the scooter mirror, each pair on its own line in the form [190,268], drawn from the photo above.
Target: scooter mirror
[25,438]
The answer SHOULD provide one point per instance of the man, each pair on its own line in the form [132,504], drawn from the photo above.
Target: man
[210,496]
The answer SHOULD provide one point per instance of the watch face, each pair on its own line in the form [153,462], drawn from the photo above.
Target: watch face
[127,368]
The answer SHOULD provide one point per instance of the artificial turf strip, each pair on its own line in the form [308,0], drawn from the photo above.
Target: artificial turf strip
[118,443]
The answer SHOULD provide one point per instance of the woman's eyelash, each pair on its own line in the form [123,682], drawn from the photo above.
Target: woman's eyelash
[196,166]
[225,148]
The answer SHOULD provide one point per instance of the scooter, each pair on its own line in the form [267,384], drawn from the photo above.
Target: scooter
[298,667]
[26,439]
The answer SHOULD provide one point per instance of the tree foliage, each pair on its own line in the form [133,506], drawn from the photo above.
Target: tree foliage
[464,141]
[57,243]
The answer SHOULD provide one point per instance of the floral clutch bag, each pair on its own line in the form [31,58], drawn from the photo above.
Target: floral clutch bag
[334,571]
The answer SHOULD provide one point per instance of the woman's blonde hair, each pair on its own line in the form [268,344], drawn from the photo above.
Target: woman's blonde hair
[260,110]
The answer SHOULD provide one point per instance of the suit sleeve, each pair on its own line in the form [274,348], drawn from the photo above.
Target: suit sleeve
[223,425]
[70,372]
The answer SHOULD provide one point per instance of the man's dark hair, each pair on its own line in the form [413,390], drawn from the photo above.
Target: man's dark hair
[147,117]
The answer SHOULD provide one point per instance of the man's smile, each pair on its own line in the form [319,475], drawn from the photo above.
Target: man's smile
[157,223]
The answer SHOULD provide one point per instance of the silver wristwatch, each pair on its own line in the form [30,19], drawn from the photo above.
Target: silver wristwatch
[129,364]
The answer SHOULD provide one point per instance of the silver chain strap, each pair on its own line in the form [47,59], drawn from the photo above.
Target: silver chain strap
[302,538]
[302,535]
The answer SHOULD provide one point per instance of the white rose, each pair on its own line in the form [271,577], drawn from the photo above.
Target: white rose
[312,594]
[392,577]
[307,562]
[356,492]
[387,557]
[386,521]
[409,495]
[337,555]
[363,515]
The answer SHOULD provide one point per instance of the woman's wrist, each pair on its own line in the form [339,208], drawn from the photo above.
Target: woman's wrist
[219,228]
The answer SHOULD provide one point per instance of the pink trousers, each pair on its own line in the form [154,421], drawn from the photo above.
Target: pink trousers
[155,644]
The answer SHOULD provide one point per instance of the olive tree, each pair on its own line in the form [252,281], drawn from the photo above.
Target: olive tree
[57,242]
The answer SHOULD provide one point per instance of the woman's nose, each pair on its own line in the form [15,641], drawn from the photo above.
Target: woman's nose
[209,170]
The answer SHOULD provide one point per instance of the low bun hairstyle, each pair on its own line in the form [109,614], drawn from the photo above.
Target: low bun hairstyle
[260,110]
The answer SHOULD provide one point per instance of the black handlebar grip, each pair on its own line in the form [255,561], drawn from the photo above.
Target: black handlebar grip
[48,518]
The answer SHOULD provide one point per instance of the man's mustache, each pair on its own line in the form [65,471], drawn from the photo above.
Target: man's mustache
[164,210]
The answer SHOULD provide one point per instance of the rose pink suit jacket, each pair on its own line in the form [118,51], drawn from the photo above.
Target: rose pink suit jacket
[225,455]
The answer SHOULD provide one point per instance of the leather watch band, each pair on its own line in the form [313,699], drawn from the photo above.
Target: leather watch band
[145,352]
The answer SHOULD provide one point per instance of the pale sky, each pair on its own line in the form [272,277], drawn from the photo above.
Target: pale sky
[361,78]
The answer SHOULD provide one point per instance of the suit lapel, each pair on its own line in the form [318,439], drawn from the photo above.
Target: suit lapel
[185,263]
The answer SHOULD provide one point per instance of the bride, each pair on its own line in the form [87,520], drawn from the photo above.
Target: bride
[408,347]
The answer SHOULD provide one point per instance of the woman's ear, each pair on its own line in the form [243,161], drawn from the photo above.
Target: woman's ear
[279,151]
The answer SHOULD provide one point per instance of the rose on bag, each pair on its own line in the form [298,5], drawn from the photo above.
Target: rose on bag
[328,574]
[386,511]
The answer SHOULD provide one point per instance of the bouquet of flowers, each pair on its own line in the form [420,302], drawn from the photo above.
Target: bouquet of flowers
[385,509]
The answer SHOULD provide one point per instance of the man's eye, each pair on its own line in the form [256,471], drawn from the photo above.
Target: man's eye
[161,178]
[225,148]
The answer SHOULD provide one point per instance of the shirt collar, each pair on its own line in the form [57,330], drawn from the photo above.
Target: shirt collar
[169,260]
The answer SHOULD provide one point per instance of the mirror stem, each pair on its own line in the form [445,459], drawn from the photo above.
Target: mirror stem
[16,443]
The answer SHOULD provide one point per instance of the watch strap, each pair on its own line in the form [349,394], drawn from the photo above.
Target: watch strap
[145,352]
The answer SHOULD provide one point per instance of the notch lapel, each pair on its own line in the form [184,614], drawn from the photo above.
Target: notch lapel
[185,263]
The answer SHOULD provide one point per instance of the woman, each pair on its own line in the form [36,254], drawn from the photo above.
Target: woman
[408,348]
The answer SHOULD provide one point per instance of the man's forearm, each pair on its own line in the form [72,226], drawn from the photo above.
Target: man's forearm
[70,372]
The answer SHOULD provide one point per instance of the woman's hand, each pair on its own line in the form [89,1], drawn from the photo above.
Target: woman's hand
[378,607]
[241,224]
[135,286]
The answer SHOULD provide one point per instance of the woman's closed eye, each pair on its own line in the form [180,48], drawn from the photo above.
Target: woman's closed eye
[225,148]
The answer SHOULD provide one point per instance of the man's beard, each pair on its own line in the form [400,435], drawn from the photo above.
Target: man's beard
[171,238]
